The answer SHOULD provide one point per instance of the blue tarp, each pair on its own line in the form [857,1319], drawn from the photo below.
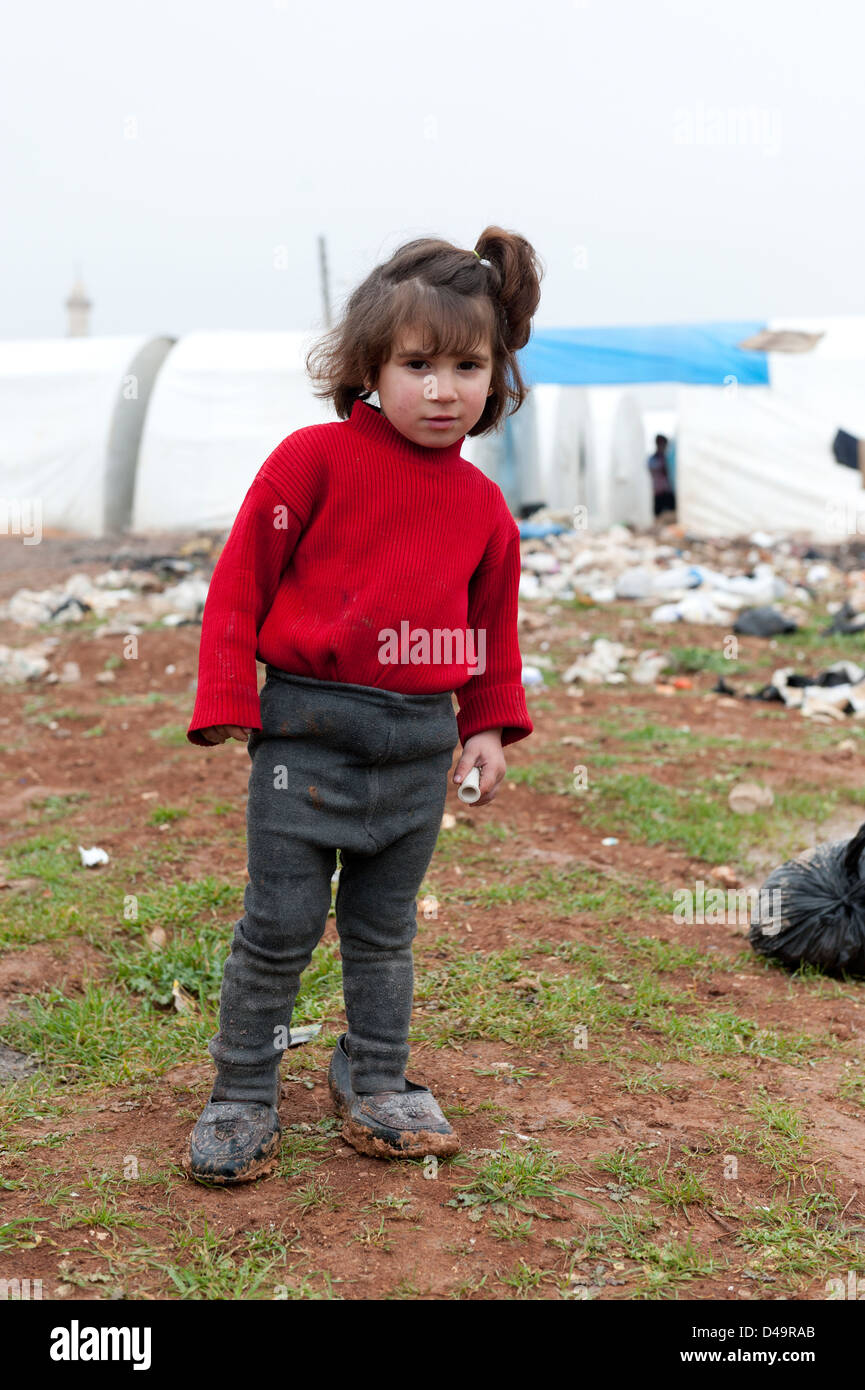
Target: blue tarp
[701,354]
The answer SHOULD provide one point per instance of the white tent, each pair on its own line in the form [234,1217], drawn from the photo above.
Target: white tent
[830,377]
[221,405]
[587,450]
[761,457]
[618,484]
[563,430]
[756,459]
[71,414]
[511,455]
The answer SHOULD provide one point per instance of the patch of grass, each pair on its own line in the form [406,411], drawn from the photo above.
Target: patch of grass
[213,1266]
[172,734]
[524,1279]
[515,1179]
[315,1194]
[55,807]
[581,890]
[304,1146]
[509,1228]
[376,1237]
[147,698]
[851,1086]
[164,815]
[102,1037]
[702,659]
[800,1235]
[625,1168]
[725,1032]
[697,818]
[540,777]
[405,1291]
[666,1266]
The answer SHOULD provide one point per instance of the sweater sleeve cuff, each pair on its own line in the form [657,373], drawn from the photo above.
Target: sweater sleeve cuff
[500,706]
[239,707]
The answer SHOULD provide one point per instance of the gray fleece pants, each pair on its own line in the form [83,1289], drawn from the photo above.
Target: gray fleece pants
[334,766]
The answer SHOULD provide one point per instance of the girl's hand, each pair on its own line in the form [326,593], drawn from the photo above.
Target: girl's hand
[218,733]
[485,752]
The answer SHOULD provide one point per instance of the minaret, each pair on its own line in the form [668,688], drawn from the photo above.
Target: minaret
[78,308]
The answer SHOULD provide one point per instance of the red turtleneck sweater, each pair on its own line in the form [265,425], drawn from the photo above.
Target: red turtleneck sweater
[351,544]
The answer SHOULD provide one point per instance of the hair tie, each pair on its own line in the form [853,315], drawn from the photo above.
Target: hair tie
[480,258]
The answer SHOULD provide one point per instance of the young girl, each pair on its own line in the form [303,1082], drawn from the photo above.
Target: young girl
[375,572]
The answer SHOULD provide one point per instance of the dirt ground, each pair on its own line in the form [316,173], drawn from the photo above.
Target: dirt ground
[661,1159]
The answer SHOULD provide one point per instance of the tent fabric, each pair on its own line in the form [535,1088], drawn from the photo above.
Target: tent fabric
[70,412]
[618,484]
[831,376]
[511,455]
[221,404]
[568,447]
[697,354]
[759,459]
[563,443]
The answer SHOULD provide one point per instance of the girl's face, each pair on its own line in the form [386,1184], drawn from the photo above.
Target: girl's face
[414,389]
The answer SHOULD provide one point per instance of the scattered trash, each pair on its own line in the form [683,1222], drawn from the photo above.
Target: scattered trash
[305,1034]
[828,697]
[610,840]
[91,857]
[184,1002]
[763,622]
[105,594]
[539,529]
[732,584]
[811,910]
[723,687]
[600,663]
[747,797]
[845,620]
[723,873]
[23,663]
[648,667]
[157,938]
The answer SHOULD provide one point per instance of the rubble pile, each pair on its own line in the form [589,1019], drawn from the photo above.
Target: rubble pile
[760,586]
[698,581]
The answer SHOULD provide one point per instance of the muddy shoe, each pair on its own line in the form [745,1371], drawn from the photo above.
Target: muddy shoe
[233,1141]
[389,1124]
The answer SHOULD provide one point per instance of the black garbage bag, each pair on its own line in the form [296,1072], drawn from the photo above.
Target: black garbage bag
[766,692]
[814,910]
[762,622]
[722,687]
[845,447]
[846,620]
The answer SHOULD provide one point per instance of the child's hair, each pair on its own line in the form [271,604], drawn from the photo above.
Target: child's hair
[457,298]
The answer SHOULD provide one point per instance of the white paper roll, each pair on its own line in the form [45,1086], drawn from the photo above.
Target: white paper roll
[469,789]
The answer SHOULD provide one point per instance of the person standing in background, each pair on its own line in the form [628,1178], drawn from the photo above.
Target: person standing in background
[665,497]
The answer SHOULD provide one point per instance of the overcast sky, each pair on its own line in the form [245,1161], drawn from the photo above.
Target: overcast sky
[671,160]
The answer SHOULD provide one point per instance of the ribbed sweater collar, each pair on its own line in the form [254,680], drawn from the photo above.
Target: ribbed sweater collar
[369,420]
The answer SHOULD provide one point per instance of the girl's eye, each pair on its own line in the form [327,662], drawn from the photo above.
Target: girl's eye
[419,362]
